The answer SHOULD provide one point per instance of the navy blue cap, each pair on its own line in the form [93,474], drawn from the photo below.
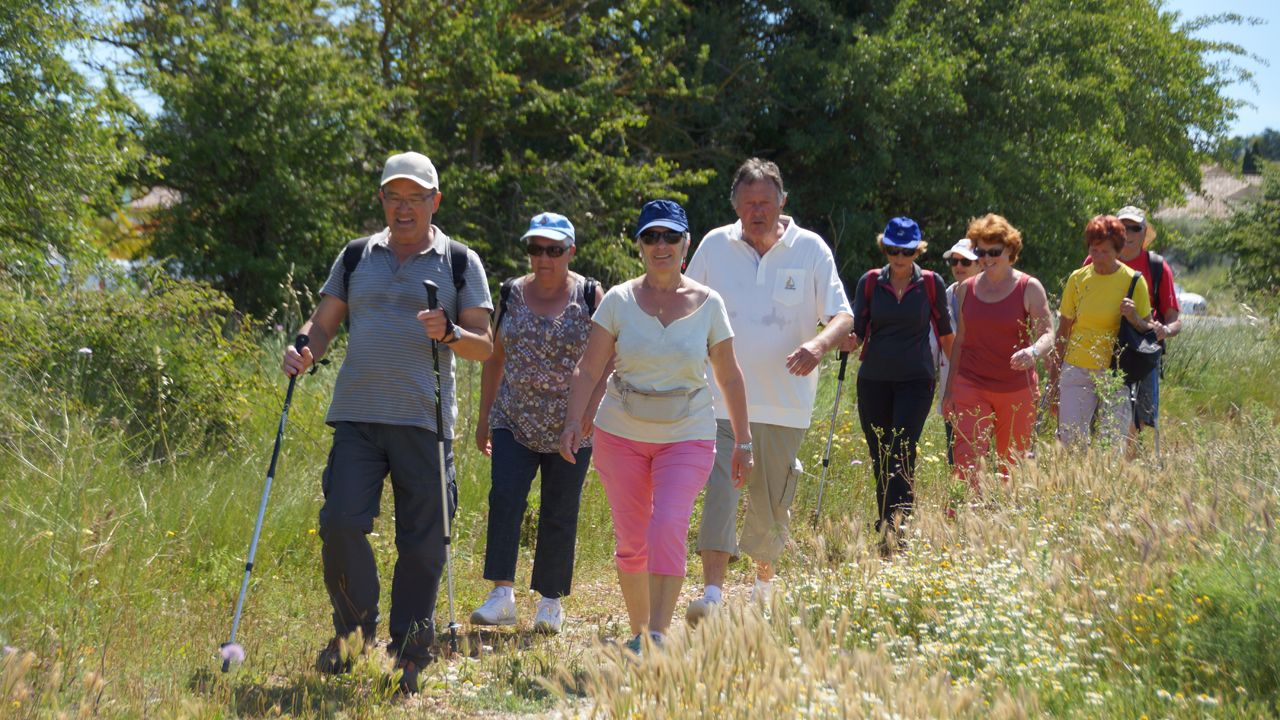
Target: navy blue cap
[665,213]
[902,232]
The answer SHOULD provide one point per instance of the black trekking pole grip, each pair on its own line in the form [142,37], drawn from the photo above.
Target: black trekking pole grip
[844,362]
[432,289]
[300,342]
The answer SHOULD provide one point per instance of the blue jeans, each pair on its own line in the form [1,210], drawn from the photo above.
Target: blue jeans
[512,471]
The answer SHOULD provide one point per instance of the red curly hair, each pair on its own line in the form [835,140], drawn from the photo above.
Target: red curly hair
[993,229]
[1105,227]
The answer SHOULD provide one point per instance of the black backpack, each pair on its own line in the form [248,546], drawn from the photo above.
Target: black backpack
[504,294]
[352,255]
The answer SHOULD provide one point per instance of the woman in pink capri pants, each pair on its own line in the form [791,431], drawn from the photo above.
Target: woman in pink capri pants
[655,429]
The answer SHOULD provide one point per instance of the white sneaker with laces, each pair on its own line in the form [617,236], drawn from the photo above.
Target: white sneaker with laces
[498,609]
[549,617]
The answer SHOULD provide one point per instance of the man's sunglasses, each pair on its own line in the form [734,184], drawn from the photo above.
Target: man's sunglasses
[959,261]
[1135,228]
[554,251]
[994,252]
[652,237]
[896,251]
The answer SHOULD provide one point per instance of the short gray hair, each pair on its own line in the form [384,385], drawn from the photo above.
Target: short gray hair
[755,170]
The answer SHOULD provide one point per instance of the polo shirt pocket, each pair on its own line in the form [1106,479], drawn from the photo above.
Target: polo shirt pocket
[788,286]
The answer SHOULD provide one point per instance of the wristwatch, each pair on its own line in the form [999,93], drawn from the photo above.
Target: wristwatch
[450,332]
[743,446]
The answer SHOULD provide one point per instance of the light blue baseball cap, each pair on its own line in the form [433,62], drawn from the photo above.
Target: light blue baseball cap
[552,226]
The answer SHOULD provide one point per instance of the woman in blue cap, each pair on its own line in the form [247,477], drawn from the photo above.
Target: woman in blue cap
[543,323]
[656,430]
[896,309]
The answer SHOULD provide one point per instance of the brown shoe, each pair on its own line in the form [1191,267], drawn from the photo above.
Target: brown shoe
[410,668]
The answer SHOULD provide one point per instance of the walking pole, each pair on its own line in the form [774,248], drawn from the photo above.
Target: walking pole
[835,412]
[1156,398]
[432,289]
[232,650]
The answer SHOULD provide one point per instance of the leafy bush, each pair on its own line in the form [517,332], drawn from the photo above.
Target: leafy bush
[170,361]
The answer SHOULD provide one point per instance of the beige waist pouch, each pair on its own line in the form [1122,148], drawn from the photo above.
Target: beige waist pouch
[663,407]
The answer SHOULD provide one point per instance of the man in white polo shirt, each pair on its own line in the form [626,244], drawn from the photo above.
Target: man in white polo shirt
[779,282]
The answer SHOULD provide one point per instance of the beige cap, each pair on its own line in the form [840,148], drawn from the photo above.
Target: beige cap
[1137,215]
[411,166]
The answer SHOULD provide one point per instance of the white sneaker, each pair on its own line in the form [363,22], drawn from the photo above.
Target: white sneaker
[549,617]
[699,610]
[761,592]
[498,609]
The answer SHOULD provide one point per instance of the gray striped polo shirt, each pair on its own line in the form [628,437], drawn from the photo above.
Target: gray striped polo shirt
[386,376]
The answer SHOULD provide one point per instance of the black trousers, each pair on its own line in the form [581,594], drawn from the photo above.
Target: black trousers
[512,471]
[362,456]
[893,415]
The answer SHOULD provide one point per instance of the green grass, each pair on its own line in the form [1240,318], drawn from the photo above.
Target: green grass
[118,578]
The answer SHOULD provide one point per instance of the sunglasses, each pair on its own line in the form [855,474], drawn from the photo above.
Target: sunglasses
[896,251]
[671,237]
[554,251]
[1135,228]
[959,261]
[993,252]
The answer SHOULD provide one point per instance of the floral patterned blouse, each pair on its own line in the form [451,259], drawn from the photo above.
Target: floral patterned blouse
[541,353]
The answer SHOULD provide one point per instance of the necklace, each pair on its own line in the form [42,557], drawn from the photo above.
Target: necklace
[645,284]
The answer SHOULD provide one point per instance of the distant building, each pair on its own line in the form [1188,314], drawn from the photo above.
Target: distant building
[1220,191]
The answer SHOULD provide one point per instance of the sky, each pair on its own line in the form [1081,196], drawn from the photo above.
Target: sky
[1260,40]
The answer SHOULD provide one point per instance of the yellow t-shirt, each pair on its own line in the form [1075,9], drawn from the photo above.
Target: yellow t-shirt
[1093,301]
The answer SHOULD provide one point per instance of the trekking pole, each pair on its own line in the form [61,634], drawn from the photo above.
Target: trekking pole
[1155,381]
[826,459]
[232,650]
[432,289]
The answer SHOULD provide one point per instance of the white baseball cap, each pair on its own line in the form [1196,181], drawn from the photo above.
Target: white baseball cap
[411,166]
[963,248]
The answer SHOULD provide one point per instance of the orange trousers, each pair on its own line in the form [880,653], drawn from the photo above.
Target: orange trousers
[979,413]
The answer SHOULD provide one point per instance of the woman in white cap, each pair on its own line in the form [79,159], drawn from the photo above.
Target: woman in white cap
[963,266]
[656,430]
[896,310]
[543,324]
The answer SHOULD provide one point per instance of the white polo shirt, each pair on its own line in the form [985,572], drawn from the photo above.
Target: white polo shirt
[775,304]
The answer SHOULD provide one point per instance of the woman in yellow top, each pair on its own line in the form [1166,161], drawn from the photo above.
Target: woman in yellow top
[1093,303]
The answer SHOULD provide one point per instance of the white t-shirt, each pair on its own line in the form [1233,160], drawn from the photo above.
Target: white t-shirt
[775,303]
[656,359]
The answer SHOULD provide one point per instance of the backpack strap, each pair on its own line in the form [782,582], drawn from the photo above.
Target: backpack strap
[504,294]
[589,295]
[869,289]
[1156,264]
[350,259]
[458,263]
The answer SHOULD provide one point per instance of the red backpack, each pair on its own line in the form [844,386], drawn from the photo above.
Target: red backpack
[930,289]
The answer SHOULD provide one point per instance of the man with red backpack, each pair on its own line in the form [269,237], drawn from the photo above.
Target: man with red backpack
[896,310]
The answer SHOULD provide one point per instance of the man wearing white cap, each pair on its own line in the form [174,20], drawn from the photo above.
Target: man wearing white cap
[383,410]
[778,281]
[1164,310]
[964,265]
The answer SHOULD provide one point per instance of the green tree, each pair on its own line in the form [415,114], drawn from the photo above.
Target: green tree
[1252,232]
[265,132]
[63,140]
[1046,111]
[533,106]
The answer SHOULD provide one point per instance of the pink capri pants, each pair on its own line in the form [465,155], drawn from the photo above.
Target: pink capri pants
[651,489]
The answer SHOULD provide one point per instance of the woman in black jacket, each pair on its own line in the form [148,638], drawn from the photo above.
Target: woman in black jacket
[896,309]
